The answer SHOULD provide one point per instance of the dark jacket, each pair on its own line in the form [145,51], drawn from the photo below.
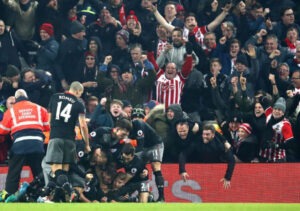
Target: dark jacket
[107,33]
[246,150]
[10,46]
[70,56]
[47,54]
[192,93]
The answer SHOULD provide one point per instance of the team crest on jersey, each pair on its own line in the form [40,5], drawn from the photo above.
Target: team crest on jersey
[93,134]
[140,133]
[133,170]
[87,189]
[80,154]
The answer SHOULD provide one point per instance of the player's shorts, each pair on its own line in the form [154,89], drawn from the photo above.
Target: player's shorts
[145,187]
[152,154]
[61,151]
[75,179]
[141,186]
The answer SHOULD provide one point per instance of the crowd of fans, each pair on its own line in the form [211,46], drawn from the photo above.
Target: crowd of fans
[175,68]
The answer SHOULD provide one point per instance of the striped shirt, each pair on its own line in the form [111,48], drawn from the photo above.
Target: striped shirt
[282,133]
[169,91]
[198,32]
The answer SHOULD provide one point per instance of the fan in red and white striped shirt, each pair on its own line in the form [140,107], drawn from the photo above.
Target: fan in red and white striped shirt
[169,84]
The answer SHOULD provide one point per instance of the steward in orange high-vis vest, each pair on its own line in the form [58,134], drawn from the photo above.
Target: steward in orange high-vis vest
[25,121]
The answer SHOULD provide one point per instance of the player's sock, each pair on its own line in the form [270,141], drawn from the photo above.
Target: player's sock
[159,180]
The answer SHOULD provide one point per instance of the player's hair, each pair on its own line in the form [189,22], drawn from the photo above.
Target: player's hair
[76,86]
[128,149]
[121,176]
[124,124]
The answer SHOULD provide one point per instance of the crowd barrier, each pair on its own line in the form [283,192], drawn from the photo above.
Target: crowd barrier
[269,183]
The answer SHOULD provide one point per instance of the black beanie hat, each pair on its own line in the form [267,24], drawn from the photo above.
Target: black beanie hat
[241,58]
[12,71]
[76,27]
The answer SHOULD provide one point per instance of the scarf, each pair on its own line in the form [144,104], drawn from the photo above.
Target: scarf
[122,15]
[269,131]
[291,46]
[74,18]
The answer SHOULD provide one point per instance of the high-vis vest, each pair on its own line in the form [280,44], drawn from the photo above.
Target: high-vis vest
[24,115]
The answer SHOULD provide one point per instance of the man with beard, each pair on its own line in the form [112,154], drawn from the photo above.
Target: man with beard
[190,23]
[175,51]
[210,149]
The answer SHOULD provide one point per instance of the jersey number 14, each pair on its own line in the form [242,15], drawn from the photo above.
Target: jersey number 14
[63,112]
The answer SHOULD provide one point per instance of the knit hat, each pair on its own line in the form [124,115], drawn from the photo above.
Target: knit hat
[138,112]
[151,104]
[175,108]
[235,118]
[179,8]
[105,7]
[246,127]
[47,27]
[132,16]
[126,103]
[124,34]
[280,104]
[88,53]
[241,58]
[12,71]
[126,68]
[76,27]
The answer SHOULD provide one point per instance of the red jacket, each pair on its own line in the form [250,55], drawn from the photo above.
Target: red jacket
[24,115]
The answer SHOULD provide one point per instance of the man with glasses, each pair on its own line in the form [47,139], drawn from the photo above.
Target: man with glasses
[287,21]
[296,84]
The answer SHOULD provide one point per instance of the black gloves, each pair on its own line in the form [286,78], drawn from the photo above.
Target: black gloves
[188,47]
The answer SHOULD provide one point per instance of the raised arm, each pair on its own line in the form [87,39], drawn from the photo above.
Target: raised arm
[217,21]
[161,19]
